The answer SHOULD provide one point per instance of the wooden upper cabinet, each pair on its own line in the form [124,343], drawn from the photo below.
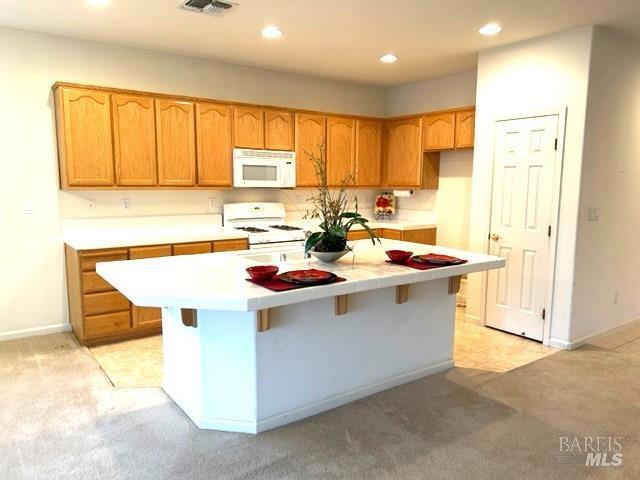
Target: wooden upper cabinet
[248,127]
[84,137]
[368,153]
[310,137]
[439,131]
[214,126]
[176,140]
[278,130]
[134,140]
[341,150]
[465,127]
[404,153]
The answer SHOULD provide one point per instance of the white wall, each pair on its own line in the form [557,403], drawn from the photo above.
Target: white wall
[435,94]
[452,200]
[532,76]
[32,292]
[607,259]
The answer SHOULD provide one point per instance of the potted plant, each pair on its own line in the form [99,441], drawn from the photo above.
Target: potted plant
[332,208]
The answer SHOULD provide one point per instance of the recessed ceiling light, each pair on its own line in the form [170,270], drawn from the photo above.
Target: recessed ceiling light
[388,58]
[98,3]
[271,32]
[490,29]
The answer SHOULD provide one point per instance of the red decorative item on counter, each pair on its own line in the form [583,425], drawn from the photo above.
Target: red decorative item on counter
[262,272]
[398,256]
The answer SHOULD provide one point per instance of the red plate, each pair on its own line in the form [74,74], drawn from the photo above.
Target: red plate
[436,259]
[308,277]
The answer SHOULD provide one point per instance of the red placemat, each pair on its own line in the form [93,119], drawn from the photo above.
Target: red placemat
[276,285]
[424,266]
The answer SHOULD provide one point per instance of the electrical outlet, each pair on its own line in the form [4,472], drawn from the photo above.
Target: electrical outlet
[593,215]
[126,203]
[213,205]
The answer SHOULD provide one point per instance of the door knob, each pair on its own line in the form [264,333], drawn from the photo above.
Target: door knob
[495,237]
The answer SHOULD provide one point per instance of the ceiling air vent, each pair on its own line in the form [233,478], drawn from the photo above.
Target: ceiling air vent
[210,7]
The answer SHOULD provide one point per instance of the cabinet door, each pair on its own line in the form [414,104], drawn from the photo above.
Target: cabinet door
[341,149]
[427,236]
[310,137]
[84,137]
[134,140]
[175,129]
[248,127]
[278,130]
[230,245]
[439,131]
[404,153]
[147,317]
[465,127]
[214,124]
[368,153]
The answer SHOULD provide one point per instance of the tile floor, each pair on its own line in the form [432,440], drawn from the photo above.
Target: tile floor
[624,339]
[138,363]
[484,348]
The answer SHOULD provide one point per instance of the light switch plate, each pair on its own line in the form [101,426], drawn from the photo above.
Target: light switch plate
[593,214]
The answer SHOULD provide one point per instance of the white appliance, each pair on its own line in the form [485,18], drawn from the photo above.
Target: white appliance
[264,221]
[263,168]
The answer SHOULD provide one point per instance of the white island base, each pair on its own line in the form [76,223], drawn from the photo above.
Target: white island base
[226,375]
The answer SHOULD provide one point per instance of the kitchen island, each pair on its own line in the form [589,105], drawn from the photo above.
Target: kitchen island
[239,357]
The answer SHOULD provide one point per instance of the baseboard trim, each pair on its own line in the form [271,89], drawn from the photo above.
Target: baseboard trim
[348,397]
[572,345]
[32,332]
[473,319]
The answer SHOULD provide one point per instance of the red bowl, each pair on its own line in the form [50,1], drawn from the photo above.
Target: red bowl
[262,272]
[398,256]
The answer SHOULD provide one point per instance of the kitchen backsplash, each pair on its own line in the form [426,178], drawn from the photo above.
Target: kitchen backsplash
[98,204]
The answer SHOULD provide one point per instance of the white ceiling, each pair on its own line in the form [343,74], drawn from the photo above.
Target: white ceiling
[324,38]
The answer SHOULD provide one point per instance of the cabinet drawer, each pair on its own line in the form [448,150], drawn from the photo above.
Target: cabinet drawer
[93,283]
[88,260]
[229,245]
[100,325]
[391,234]
[150,252]
[97,303]
[192,248]
[358,235]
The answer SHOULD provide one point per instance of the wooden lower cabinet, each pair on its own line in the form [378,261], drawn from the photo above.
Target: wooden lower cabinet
[424,235]
[147,317]
[99,313]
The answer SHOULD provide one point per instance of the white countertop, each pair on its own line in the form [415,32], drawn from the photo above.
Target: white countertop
[98,233]
[217,281]
[312,225]
[93,234]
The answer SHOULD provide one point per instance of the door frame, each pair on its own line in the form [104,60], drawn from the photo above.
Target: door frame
[555,210]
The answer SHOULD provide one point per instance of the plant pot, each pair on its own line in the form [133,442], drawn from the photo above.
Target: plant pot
[328,257]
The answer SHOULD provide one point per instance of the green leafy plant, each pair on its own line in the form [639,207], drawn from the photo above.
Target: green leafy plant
[333,209]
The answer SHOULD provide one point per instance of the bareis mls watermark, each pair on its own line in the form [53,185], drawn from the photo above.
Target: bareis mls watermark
[590,451]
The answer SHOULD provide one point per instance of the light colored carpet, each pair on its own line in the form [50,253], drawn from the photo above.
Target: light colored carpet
[62,419]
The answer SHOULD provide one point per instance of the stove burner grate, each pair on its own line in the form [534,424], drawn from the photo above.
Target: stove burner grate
[252,229]
[287,228]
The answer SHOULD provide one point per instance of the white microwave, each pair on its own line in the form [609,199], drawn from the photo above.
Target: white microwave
[263,168]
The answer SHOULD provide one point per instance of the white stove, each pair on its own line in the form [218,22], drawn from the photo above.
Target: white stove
[264,221]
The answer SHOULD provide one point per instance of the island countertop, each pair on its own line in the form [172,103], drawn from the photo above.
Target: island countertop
[217,281]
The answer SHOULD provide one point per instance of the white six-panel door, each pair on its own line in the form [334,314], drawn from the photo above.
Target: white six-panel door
[523,179]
